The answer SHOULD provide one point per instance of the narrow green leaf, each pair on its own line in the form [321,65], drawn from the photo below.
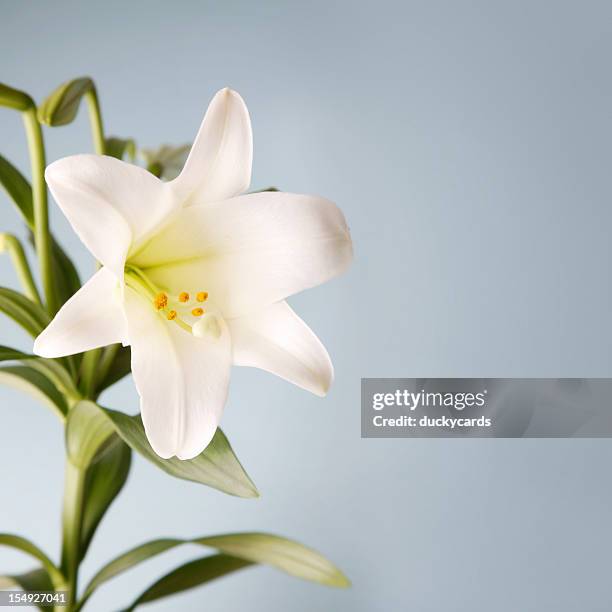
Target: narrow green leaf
[217,466]
[127,560]
[29,581]
[24,545]
[20,193]
[66,277]
[50,368]
[121,366]
[58,375]
[87,430]
[281,553]
[24,378]
[15,99]
[190,575]
[34,580]
[120,147]
[10,354]
[104,480]
[61,106]
[18,189]
[23,311]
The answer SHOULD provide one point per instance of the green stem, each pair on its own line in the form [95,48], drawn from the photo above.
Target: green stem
[42,239]
[89,377]
[95,119]
[72,520]
[106,361]
[11,244]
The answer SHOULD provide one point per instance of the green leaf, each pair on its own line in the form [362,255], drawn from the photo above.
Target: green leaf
[58,375]
[103,482]
[217,466]
[190,575]
[24,378]
[61,106]
[50,368]
[29,581]
[66,277]
[34,580]
[119,147]
[87,430]
[10,354]
[20,193]
[128,560]
[121,366]
[281,553]
[23,311]
[15,99]
[166,161]
[18,189]
[15,541]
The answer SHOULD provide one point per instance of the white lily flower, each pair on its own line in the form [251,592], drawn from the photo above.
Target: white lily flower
[194,276]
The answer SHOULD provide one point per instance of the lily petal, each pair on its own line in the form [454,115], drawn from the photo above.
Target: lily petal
[219,164]
[109,203]
[91,318]
[277,340]
[182,380]
[249,251]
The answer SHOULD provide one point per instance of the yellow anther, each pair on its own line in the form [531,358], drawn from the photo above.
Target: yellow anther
[183,297]
[197,312]
[202,296]
[171,315]
[160,301]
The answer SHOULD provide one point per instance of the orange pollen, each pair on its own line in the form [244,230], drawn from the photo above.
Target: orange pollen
[202,296]
[197,312]
[171,315]
[183,297]
[160,301]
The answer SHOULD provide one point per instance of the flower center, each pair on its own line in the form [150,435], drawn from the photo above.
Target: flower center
[183,309]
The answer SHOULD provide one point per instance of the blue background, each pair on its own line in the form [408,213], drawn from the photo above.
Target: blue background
[468,144]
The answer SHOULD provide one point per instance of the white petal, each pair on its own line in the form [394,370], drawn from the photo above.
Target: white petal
[219,164]
[250,251]
[277,340]
[91,318]
[182,380]
[110,204]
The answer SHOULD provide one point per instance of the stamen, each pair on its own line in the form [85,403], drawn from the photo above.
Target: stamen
[170,306]
[160,301]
